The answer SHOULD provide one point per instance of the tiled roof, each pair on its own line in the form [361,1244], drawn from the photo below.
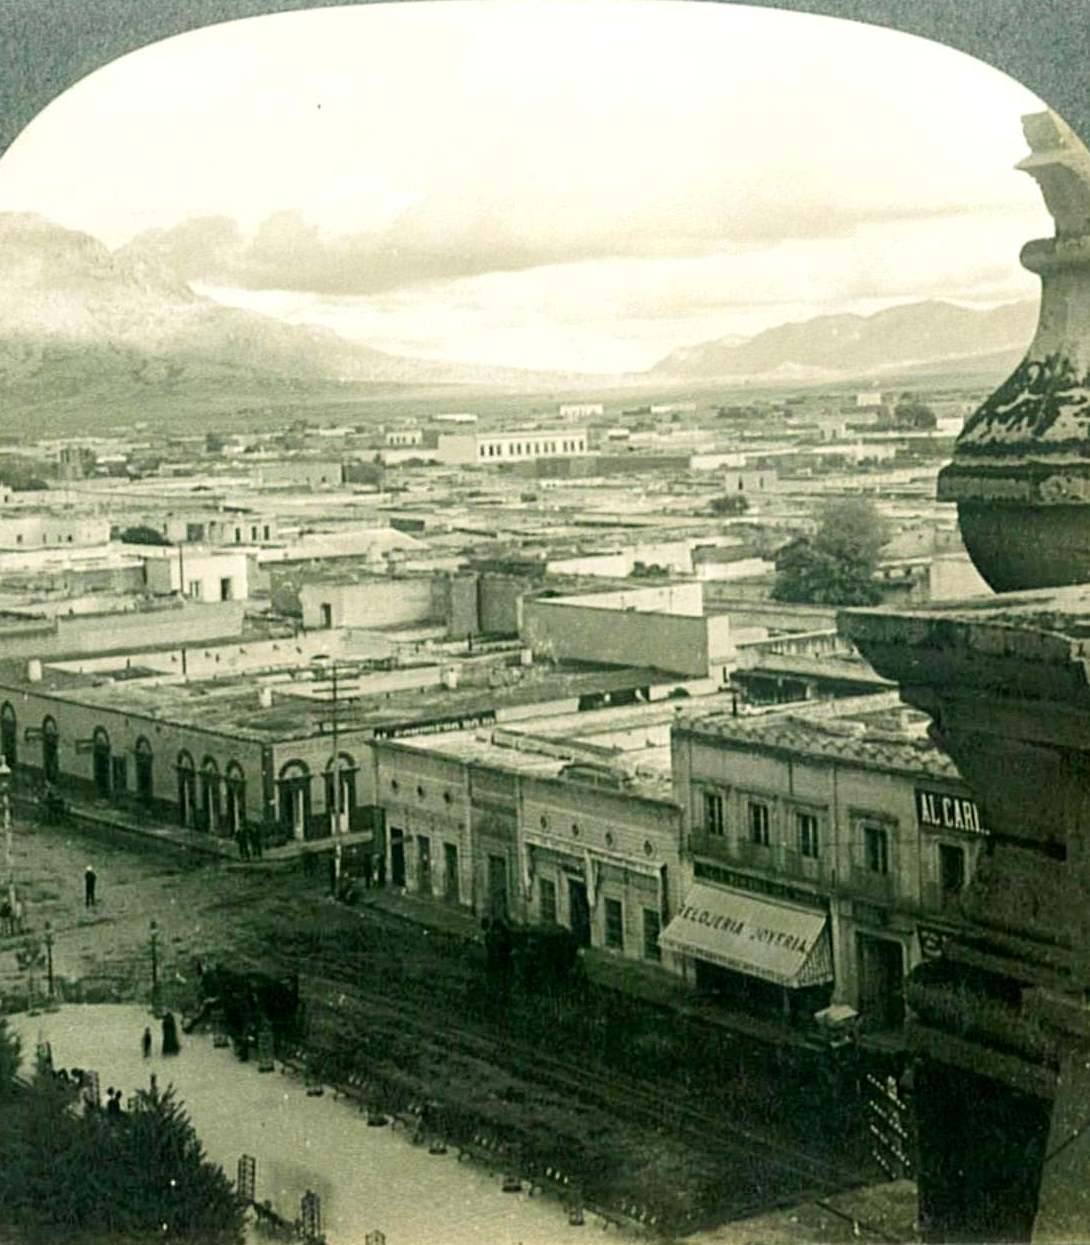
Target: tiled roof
[835,739]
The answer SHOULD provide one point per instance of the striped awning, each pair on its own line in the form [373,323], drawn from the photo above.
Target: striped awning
[764,938]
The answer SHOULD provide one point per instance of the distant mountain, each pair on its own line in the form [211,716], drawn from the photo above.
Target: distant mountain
[84,329]
[912,336]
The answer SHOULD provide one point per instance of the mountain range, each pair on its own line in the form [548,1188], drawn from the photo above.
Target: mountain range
[90,336]
[913,335]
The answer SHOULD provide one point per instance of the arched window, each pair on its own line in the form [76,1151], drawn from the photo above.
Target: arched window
[51,747]
[145,788]
[9,734]
[187,789]
[211,807]
[340,815]
[100,761]
[235,788]
[293,787]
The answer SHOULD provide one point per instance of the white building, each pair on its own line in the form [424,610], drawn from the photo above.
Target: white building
[490,448]
[403,437]
[47,531]
[581,410]
[200,574]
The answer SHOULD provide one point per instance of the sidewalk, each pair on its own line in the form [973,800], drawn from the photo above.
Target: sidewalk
[109,817]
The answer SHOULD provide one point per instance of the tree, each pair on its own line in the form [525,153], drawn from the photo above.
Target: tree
[10,1055]
[836,566]
[143,535]
[913,414]
[729,503]
[136,1177]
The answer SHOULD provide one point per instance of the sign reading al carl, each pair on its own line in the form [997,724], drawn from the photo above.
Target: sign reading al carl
[938,810]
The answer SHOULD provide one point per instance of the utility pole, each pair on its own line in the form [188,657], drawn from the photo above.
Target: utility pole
[336,760]
[9,845]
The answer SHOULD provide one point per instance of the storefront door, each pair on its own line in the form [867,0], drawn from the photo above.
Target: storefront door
[881,980]
[580,911]
[397,857]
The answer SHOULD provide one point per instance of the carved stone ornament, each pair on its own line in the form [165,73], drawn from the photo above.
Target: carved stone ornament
[1021,468]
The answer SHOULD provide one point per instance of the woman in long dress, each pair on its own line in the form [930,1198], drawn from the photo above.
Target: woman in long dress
[171,1045]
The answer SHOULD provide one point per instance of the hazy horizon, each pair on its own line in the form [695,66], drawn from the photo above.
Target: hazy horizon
[555,186]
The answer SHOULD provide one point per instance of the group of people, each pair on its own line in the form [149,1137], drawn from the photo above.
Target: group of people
[171,1045]
[250,842]
[341,884]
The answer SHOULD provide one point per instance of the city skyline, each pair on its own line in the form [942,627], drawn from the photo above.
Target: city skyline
[324,186]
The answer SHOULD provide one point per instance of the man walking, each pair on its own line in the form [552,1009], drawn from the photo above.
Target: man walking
[89,880]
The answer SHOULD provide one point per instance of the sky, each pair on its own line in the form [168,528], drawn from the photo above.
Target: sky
[582,185]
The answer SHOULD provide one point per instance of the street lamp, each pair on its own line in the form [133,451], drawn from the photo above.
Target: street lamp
[49,957]
[9,848]
[155,1009]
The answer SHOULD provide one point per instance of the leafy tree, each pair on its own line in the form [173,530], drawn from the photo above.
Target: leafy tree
[836,566]
[143,535]
[729,503]
[913,414]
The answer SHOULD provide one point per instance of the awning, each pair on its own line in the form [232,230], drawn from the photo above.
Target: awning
[759,937]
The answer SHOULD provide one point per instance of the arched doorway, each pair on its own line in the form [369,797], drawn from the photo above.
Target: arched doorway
[100,762]
[293,787]
[340,814]
[145,787]
[235,787]
[187,789]
[9,734]
[211,814]
[51,748]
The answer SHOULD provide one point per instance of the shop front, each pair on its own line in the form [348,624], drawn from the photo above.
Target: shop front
[757,954]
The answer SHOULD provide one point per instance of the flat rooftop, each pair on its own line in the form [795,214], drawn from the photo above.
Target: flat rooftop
[231,705]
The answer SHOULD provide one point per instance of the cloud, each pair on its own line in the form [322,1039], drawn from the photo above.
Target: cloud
[441,240]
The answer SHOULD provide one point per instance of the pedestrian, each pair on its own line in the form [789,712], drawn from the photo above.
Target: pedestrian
[113,1102]
[257,847]
[243,841]
[333,872]
[145,1043]
[89,880]
[368,870]
[171,1045]
[382,869]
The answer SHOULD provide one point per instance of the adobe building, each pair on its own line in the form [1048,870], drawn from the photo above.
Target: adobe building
[844,835]
[213,737]
[508,826]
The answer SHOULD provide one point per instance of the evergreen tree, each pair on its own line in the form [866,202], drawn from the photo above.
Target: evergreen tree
[11,1049]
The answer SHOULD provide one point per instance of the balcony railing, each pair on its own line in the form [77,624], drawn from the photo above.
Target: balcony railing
[812,868]
[874,887]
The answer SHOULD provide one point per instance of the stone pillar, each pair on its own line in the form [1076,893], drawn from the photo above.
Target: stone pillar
[1001,1023]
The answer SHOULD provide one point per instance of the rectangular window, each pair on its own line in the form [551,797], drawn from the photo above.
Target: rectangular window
[951,867]
[267,531]
[758,823]
[546,898]
[195,589]
[876,849]
[614,925]
[652,925]
[808,835]
[714,821]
